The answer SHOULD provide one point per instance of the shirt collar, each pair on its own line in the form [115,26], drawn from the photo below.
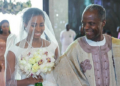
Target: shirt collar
[94,43]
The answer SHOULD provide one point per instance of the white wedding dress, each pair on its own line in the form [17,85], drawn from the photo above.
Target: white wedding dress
[49,78]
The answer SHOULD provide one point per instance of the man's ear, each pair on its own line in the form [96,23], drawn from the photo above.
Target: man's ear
[103,23]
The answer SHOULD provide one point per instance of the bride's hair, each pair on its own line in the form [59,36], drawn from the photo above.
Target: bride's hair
[31,12]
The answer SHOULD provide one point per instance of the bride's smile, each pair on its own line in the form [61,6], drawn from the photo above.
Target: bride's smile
[35,26]
[37,34]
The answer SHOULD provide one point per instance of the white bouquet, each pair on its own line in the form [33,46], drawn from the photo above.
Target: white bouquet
[36,63]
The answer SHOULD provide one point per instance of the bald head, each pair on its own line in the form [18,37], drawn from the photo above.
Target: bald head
[99,9]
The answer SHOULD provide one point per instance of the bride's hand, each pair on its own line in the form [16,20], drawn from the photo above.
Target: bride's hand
[32,80]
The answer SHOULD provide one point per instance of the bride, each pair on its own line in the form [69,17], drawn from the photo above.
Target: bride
[34,30]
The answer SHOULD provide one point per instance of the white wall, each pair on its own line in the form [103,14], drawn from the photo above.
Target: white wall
[58,12]
[37,3]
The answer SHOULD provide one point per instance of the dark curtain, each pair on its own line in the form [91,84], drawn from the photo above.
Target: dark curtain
[112,15]
[75,10]
[46,6]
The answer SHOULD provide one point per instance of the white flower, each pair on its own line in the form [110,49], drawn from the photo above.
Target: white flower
[22,67]
[50,65]
[36,62]
[32,61]
[35,68]
[38,58]
[49,69]
[28,67]
[28,57]
[38,72]
[43,68]
[23,62]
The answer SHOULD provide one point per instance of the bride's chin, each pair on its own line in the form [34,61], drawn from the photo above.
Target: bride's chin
[36,37]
